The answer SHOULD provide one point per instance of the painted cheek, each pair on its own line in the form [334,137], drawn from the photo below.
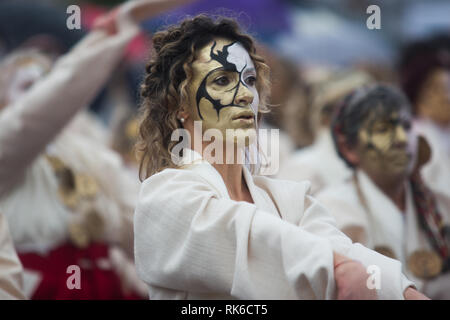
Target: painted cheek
[400,135]
[255,103]
[382,142]
[225,97]
[192,102]
[374,158]
[363,137]
[208,112]
[243,93]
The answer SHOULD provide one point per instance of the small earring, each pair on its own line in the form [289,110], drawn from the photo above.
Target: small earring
[181,119]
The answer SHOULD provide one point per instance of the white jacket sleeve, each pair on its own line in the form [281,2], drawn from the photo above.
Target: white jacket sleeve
[189,239]
[30,123]
[393,282]
[11,281]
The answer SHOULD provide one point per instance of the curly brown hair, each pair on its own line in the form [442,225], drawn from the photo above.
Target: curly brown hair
[163,90]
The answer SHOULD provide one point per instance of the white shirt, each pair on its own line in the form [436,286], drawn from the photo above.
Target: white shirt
[193,242]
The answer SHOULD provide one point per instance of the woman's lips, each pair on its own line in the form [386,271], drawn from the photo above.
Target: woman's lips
[244,116]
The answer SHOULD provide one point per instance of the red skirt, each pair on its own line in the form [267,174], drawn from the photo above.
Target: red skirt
[97,280]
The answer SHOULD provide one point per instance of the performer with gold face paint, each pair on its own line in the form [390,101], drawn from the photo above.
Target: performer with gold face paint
[208,230]
[424,69]
[385,205]
[319,162]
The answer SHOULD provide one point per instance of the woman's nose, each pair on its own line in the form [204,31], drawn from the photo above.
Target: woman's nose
[244,96]
[401,135]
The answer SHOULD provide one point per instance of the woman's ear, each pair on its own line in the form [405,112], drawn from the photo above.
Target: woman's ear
[423,153]
[349,153]
[182,115]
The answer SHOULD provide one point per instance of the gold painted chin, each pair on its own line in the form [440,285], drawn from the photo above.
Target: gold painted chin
[401,159]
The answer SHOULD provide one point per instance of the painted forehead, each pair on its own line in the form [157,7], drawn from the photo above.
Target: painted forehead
[223,53]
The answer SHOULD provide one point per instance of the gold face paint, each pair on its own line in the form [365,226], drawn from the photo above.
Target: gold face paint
[223,91]
[434,99]
[385,144]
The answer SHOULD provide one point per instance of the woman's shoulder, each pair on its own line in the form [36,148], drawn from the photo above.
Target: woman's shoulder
[173,182]
[272,183]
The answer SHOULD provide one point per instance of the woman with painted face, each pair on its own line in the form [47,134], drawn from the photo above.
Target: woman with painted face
[424,69]
[385,205]
[319,163]
[205,226]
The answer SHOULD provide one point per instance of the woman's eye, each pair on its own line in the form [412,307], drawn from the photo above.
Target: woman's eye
[250,80]
[222,81]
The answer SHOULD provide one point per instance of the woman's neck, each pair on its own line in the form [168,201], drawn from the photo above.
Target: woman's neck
[393,188]
[230,169]
[232,176]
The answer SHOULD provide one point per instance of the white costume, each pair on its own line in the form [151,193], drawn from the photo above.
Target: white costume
[193,242]
[28,185]
[318,163]
[382,225]
[11,282]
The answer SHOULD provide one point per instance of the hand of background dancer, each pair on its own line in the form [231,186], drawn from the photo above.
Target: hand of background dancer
[107,21]
[351,280]
[412,294]
[139,10]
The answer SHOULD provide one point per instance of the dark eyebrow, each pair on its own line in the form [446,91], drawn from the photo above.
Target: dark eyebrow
[214,70]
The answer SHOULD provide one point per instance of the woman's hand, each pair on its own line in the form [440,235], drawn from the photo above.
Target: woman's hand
[412,294]
[138,10]
[107,21]
[351,280]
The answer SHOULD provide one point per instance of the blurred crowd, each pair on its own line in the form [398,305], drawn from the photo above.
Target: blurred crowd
[373,139]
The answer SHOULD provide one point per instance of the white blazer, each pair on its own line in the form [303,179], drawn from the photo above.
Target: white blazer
[193,242]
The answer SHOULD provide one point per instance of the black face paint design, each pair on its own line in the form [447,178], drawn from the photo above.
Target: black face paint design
[202,92]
